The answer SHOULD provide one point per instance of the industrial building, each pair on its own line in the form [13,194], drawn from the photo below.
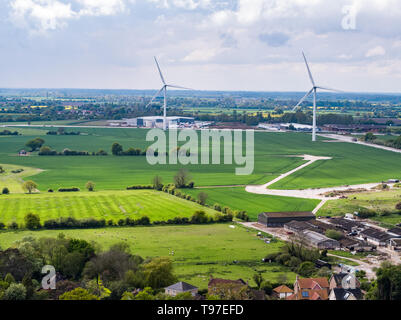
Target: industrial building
[154,122]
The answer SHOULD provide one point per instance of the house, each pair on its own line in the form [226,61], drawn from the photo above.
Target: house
[346,294]
[310,289]
[318,240]
[282,292]
[394,244]
[180,287]
[278,219]
[375,236]
[343,281]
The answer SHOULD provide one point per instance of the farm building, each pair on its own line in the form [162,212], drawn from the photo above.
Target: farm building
[346,224]
[318,240]
[181,287]
[278,219]
[375,236]
[395,232]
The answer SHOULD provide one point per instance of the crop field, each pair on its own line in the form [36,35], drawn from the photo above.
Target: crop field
[351,164]
[199,250]
[238,199]
[108,205]
[382,202]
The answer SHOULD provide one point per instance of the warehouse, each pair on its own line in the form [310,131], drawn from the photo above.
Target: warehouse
[278,219]
[318,240]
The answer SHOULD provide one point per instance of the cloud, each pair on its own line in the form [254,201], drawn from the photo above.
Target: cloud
[43,15]
[376,51]
[201,55]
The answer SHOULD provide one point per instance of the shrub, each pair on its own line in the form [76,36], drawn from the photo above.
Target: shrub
[398,206]
[199,217]
[5,190]
[13,226]
[50,190]
[15,292]
[334,234]
[2,226]
[72,189]
[217,207]
[242,215]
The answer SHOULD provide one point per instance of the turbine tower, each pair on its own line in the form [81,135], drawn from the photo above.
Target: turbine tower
[314,89]
[164,90]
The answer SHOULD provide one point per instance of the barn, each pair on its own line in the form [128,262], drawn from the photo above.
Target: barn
[278,219]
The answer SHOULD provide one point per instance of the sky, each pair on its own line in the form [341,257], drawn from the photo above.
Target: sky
[250,45]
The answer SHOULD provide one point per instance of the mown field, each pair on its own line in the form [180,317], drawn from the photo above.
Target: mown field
[238,199]
[383,203]
[108,205]
[199,250]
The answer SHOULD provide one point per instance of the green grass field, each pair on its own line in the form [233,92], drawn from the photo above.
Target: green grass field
[351,164]
[199,250]
[13,181]
[238,199]
[108,205]
[380,202]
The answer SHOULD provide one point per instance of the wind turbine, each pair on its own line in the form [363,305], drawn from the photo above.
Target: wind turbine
[314,89]
[164,90]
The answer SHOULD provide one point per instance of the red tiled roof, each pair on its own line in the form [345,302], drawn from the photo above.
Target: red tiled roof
[309,283]
[283,289]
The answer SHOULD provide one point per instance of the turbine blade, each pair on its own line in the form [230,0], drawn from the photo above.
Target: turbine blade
[329,89]
[160,72]
[153,98]
[303,98]
[177,87]
[309,72]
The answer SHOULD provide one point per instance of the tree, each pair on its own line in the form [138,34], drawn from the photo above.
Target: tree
[182,178]
[258,278]
[306,269]
[199,217]
[159,272]
[35,144]
[15,292]
[202,197]
[29,186]
[398,206]
[90,186]
[2,170]
[32,221]
[334,234]
[116,149]
[5,190]
[78,294]
[145,294]
[369,137]
[157,183]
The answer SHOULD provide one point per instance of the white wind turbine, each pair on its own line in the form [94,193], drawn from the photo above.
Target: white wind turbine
[314,89]
[164,90]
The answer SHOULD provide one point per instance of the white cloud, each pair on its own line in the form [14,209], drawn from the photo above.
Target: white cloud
[202,55]
[101,7]
[44,15]
[376,51]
